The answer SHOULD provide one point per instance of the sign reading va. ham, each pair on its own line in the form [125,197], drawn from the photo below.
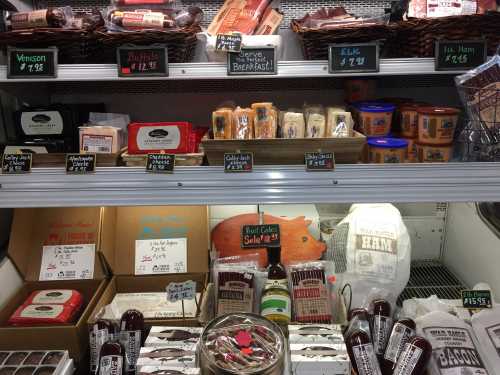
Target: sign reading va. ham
[31,63]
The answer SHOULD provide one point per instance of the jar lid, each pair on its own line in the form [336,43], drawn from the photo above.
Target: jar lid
[385,142]
[438,110]
[376,107]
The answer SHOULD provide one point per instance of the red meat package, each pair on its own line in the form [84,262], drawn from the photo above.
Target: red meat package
[238,16]
[34,315]
[170,137]
[66,297]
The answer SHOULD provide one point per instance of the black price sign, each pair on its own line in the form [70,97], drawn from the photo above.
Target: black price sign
[459,55]
[476,299]
[16,163]
[320,161]
[256,236]
[32,62]
[228,42]
[252,61]
[160,163]
[139,61]
[238,162]
[353,58]
[80,163]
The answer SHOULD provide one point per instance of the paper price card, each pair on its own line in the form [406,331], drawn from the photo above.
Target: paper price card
[67,262]
[160,256]
[181,291]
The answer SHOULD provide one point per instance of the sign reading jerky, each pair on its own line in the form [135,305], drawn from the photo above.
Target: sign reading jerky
[256,236]
[139,61]
[476,299]
[80,163]
[252,61]
[160,163]
[459,54]
[319,161]
[228,43]
[238,162]
[353,58]
[16,163]
[32,63]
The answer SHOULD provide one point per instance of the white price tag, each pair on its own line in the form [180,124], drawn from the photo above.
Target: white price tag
[67,262]
[181,291]
[161,256]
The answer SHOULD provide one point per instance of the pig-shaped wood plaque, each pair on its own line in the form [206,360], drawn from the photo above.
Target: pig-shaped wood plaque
[297,244]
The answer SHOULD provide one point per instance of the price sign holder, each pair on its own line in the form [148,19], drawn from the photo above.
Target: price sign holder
[319,161]
[31,63]
[142,61]
[228,43]
[16,163]
[253,61]
[181,291]
[80,163]
[459,54]
[354,58]
[258,236]
[238,162]
[160,163]
[476,299]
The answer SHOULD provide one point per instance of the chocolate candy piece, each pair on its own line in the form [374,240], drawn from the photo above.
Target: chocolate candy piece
[52,358]
[16,358]
[25,371]
[46,370]
[34,358]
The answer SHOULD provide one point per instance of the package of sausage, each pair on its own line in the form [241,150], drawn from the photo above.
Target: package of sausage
[35,315]
[169,137]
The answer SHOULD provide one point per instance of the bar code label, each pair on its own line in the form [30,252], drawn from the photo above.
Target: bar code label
[102,144]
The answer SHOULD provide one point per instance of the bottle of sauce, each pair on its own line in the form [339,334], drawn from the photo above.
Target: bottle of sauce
[101,332]
[111,359]
[403,330]
[414,358]
[131,336]
[382,326]
[276,302]
[361,353]
[358,319]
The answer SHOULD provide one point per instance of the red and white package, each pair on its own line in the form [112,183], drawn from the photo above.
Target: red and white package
[170,137]
[66,297]
[34,315]
[195,139]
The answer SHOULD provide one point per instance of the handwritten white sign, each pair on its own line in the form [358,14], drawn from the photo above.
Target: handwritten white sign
[181,291]
[67,262]
[161,256]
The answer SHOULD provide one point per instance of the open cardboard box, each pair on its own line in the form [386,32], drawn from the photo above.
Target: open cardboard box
[32,229]
[122,226]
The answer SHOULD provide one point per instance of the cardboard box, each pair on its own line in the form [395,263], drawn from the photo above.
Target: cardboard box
[31,230]
[122,226]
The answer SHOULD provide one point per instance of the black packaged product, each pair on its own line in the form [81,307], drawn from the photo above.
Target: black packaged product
[131,337]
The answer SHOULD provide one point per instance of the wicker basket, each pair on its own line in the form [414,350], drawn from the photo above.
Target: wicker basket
[315,41]
[181,44]
[417,37]
[76,46]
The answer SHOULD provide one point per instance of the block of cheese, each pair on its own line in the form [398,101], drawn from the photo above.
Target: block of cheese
[243,119]
[315,122]
[169,137]
[100,139]
[55,297]
[222,123]
[339,123]
[293,125]
[34,315]
[266,120]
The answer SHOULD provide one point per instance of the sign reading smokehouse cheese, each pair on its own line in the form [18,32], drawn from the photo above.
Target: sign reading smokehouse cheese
[80,163]
[252,61]
[32,63]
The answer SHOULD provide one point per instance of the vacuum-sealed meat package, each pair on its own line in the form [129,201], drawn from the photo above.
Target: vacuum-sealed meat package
[486,326]
[374,254]
[455,350]
[51,17]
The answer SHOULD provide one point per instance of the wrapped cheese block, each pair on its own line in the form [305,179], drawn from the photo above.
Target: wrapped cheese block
[67,297]
[266,120]
[315,122]
[243,119]
[100,139]
[293,124]
[34,315]
[222,123]
[170,137]
[339,123]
